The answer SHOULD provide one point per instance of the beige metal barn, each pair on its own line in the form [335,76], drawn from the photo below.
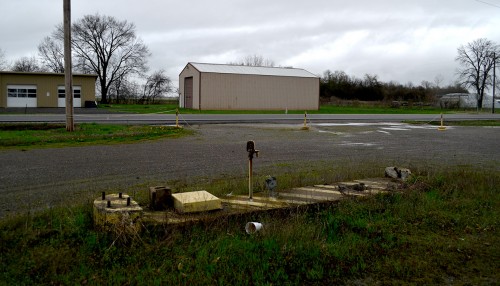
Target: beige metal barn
[232,87]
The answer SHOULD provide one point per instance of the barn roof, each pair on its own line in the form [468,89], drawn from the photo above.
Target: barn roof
[250,70]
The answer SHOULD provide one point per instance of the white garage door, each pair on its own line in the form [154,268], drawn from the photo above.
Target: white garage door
[77,96]
[21,96]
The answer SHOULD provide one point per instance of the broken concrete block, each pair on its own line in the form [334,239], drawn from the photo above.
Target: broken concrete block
[397,173]
[404,173]
[391,172]
[160,198]
[199,201]
[117,211]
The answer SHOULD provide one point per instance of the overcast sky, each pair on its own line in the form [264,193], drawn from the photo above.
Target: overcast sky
[399,40]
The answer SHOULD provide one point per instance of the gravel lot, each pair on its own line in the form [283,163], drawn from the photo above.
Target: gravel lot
[35,179]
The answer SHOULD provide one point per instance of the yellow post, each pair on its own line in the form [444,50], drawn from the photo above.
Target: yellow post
[177,117]
[305,122]
[442,127]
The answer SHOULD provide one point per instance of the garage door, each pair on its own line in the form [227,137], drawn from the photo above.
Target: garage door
[77,96]
[21,96]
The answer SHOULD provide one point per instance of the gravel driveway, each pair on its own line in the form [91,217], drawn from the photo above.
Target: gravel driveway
[44,177]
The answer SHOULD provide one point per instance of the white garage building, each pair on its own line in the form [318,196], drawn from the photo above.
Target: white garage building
[232,87]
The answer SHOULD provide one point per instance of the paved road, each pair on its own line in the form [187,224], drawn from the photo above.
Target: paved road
[237,118]
[39,178]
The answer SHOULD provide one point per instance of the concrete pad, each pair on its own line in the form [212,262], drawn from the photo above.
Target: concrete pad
[199,201]
[310,197]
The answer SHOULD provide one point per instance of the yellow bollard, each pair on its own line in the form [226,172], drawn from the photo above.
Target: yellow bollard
[177,117]
[305,127]
[442,127]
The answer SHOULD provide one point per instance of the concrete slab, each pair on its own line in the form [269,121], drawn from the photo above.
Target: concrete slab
[238,204]
[309,197]
[199,201]
[333,190]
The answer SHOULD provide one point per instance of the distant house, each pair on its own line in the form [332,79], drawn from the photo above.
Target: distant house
[39,89]
[232,87]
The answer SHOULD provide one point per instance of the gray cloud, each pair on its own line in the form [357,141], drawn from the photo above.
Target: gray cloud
[396,40]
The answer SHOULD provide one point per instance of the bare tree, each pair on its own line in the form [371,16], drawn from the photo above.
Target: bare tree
[4,65]
[27,64]
[157,85]
[476,60]
[107,47]
[427,84]
[438,80]
[124,91]
[255,61]
[51,53]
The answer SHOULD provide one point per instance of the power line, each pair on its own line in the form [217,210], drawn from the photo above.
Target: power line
[487,3]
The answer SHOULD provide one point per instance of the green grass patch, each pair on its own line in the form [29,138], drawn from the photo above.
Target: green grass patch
[458,123]
[367,109]
[140,108]
[442,228]
[324,109]
[55,135]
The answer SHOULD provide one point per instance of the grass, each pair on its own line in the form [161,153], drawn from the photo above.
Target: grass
[442,229]
[459,123]
[26,136]
[324,109]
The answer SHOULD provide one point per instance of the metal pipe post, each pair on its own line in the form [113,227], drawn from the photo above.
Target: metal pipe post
[250,185]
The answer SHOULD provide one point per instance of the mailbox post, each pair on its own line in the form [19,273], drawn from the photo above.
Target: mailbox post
[251,151]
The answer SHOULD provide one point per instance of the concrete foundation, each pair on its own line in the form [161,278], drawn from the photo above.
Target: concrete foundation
[199,201]
[117,211]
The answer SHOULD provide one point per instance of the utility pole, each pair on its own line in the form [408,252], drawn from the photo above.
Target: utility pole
[494,82]
[68,77]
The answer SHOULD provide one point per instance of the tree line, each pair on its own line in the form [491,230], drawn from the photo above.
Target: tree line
[339,85]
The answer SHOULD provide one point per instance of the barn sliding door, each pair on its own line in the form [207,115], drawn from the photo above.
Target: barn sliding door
[188,92]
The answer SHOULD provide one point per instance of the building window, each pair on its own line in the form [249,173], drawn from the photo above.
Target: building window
[21,92]
[77,92]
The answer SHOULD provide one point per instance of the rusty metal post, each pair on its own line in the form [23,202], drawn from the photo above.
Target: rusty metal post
[251,151]
[250,185]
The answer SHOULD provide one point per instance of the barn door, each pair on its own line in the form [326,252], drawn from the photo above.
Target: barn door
[188,92]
